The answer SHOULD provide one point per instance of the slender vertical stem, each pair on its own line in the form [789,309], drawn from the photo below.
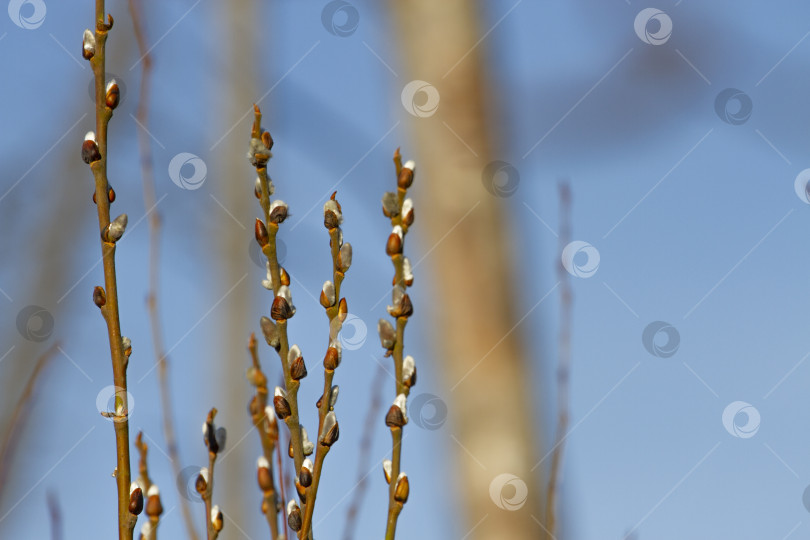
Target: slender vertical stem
[563,366]
[126,521]
[150,202]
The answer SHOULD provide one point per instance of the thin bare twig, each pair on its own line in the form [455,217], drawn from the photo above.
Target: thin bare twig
[215,441]
[364,457]
[154,219]
[55,516]
[19,417]
[563,365]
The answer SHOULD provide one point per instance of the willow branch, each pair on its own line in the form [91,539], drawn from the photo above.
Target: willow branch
[154,220]
[153,504]
[400,210]
[266,232]
[264,420]
[94,152]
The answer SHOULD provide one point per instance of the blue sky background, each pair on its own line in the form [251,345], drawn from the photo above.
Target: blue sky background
[696,221]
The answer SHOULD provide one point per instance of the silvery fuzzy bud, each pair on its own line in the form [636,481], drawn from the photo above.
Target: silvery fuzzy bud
[270,332]
[284,291]
[88,45]
[294,516]
[401,303]
[278,211]
[408,372]
[126,346]
[217,521]
[112,95]
[406,175]
[332,214]
[308,445]
[333,396]
[263,474]
[394,244]
[305,476]
[390,204]
[345,257]
[407,212]
[258,153]
[153,505]
[407,271]
[328,294]
[402,489]
[135,499]
[115,230]
[280,403]
[331,430]
[388,336]
[90,152]
[387,470]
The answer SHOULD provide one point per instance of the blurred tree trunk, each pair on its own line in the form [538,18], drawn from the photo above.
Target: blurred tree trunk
[473,277]
[235,96]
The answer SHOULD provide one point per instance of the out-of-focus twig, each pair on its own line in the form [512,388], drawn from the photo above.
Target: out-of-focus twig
[19,416]
[563,365]
[154,507]
[364,457]
[150,201]
[55,516]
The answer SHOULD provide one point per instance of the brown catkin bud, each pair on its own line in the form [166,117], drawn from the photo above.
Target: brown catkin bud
[403,488]
[281,309]
[394,418]
[278,211]
[294,516]
[264,476]
[260,230]
[135,500]
[332,359]
[201,483]
[285,277]
[406,175]
[270,332]
[153,505]
[331,430]
[305,476]
[99,297]
[90,152]
[298,370]
[267,140]
[281,404]
[394,245]
[343,310]
[113,95]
